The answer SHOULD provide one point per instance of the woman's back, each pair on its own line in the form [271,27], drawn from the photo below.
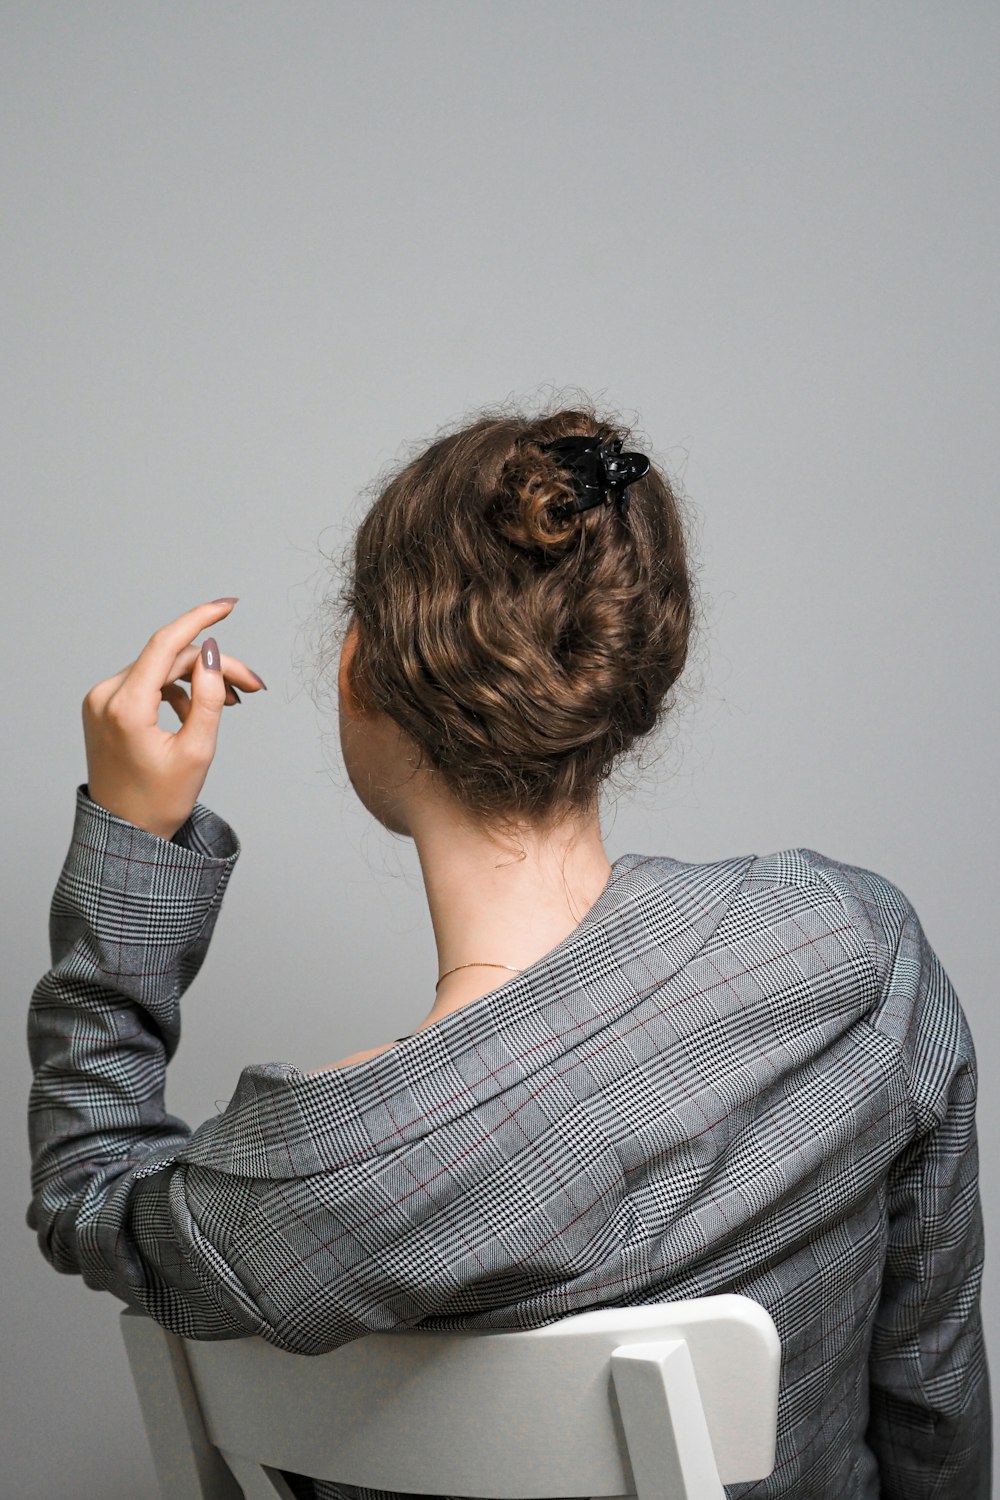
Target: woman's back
[747,1076]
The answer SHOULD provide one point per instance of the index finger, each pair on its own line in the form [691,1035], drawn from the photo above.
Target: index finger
[153,665]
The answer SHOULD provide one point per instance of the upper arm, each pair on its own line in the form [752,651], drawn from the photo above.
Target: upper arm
[929,1411]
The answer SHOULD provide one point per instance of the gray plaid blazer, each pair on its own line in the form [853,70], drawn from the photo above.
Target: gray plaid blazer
[751,1075]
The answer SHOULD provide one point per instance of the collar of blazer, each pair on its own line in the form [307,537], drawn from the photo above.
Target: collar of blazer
[649,924]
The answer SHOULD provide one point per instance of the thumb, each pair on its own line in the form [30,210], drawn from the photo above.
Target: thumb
[200,729]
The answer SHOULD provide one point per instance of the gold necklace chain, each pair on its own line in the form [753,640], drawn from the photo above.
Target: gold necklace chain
[478,966]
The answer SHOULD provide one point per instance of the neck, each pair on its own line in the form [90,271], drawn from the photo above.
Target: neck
[488,905]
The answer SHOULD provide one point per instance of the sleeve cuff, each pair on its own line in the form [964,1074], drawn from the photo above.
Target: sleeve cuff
[134,912]
[205,836]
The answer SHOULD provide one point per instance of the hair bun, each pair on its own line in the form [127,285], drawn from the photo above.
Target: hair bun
[522,644]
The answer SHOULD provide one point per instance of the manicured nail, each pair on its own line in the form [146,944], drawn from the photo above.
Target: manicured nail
[227,600]
[253,674]
[210,654]
[236,697]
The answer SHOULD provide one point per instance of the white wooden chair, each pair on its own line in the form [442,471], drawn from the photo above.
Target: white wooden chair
[667,1401]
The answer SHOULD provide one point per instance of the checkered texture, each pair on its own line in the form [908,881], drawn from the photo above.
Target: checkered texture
[751,1075]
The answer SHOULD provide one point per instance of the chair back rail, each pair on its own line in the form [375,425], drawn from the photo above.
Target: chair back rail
[660,1400]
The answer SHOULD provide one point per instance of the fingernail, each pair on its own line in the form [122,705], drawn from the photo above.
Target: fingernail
[227,600]
[236,697]
[210,654]
[253,674]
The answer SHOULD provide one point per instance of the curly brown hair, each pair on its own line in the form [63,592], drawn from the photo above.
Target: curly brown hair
[522,650]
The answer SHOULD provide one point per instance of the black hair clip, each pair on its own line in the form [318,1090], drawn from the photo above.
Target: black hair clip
[601,471]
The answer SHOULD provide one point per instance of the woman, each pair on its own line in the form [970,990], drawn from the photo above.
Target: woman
[637,1081]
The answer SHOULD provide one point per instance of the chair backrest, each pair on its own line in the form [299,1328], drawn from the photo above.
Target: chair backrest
[666,1401]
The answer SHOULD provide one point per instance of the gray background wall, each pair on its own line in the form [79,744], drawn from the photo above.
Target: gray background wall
[252,250]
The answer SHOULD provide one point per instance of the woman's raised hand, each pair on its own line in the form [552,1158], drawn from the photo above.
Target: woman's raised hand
[147,775]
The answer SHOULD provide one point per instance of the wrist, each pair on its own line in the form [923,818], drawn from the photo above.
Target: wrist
[135,816]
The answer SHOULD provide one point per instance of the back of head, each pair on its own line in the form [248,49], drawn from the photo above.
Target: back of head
[523,650]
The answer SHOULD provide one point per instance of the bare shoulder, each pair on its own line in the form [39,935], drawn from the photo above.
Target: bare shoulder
[355,1057]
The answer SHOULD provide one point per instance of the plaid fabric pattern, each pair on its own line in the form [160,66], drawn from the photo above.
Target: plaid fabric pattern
[751,1075]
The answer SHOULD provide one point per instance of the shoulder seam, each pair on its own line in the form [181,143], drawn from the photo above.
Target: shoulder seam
[882,982]
[871,942]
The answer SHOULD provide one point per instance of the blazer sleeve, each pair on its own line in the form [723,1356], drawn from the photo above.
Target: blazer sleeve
[929,1389]
[130,923]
